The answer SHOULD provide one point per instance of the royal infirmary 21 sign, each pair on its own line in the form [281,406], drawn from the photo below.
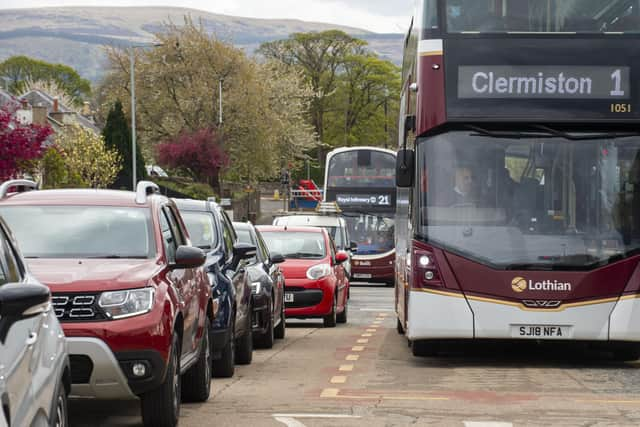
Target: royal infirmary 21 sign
[544,82]
[363,199]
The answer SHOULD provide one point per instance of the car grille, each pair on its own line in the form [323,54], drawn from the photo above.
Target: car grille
[81,368]
[77,307]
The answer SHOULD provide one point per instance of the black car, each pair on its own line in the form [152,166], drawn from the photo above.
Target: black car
[210,229]
[267,287]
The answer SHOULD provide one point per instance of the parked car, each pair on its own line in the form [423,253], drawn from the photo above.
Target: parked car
[335,225]
[267,287]
[35,376]
[129,290]
[211,230]
[315,281]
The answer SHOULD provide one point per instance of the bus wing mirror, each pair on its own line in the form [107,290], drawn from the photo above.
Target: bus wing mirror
[405,168]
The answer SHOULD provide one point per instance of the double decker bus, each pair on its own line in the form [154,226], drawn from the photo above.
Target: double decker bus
[361,180]
[519,172]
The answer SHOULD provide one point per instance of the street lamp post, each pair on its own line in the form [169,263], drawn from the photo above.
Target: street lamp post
[132,61]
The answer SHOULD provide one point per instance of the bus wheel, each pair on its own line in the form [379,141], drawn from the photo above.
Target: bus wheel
[627,353]
[424,348]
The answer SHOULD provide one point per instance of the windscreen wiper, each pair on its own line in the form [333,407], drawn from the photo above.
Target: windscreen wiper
[572,137]
[506,134]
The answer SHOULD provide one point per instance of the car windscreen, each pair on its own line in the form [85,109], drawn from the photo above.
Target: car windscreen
[81,231]
[201,228]
[296,244]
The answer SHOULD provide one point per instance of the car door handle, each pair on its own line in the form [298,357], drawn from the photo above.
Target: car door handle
[33,337]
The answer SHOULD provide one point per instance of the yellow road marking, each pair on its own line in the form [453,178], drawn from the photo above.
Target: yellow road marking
[377,322]
[607,401]
[339,379]
[346,368]
[363,341]
[383,314]
[357,348]
[330,392]
[367,335]
[352,357]
[372,330]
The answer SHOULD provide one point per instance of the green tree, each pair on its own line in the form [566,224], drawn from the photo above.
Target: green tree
[22,69]
[118,137]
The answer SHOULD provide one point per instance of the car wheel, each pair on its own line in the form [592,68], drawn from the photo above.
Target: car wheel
[244,352]
[342,317]
[225,366]
[265,340]
[161,407]
[196,383]
[399,327]
[280,330]
[330,319]
[60,416]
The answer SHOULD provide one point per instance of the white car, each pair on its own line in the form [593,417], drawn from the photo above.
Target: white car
[335,225]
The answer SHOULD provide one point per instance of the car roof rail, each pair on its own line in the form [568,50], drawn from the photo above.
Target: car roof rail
[144,189]
[26,184]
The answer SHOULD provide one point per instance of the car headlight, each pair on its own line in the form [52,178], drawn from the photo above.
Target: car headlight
[129,303]
[256,287]
[318,271]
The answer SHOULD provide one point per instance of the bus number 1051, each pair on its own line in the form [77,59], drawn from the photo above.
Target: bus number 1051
[620,108]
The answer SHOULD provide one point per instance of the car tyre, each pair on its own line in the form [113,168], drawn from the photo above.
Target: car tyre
[225,366]
[265,340]
[330,319]
[280,330]
[61,415]
[342,317]
[161,407]
[244,351]
[196,383]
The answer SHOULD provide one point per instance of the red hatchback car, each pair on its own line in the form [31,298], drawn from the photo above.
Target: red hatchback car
[128,289]
[315,281]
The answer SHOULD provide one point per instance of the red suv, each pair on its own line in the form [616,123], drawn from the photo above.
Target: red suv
[128,288]
[316,284]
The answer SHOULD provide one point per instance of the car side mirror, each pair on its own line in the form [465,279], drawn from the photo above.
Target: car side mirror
[276,258]
[353,247]
[405,162]
[188,257]
[19,301]
[341,257]
[242,251]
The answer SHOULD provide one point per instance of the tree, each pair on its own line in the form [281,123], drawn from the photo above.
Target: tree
[177,94]
[118,137]
[199,154]
[22,69]
[20,144]
[87,158]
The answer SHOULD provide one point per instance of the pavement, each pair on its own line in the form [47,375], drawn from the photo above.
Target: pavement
[363,374]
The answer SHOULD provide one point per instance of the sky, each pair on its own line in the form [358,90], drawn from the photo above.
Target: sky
[382,16]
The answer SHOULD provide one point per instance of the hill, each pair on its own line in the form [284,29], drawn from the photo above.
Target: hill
[75,35]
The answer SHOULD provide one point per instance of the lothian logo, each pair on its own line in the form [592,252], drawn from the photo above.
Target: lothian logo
[520,284]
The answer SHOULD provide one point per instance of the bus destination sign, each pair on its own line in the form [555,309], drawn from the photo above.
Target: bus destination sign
[544,82]
[363,200]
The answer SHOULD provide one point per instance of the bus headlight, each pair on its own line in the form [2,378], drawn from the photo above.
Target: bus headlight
[318,271]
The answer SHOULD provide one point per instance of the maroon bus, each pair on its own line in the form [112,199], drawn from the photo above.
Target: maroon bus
[518,210]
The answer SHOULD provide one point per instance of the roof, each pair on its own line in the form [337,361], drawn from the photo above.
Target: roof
[91,197]
[268,228]
[39,98]
[346,149]
[308,220]
[6,98]
[195,205]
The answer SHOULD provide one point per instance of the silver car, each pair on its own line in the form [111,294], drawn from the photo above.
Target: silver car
[34,364]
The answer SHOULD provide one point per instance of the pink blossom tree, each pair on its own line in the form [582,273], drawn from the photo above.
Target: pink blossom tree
[20,144]
[199,154]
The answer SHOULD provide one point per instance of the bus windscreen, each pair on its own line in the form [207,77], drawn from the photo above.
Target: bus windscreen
[362,168]
[536,16]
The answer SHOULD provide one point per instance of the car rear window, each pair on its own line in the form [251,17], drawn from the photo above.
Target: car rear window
[201,229]
[296,244]
[81,231]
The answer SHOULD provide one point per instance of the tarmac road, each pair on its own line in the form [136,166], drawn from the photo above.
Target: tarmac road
[363,373]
